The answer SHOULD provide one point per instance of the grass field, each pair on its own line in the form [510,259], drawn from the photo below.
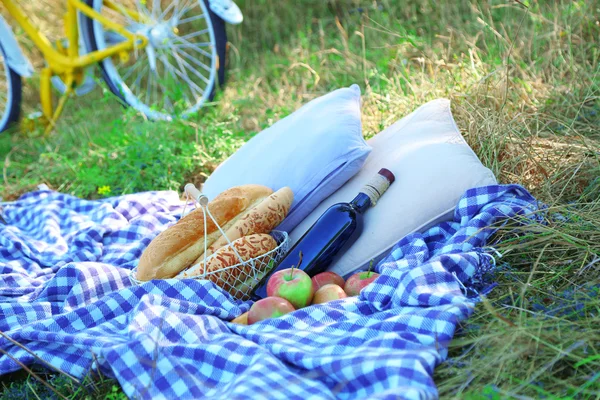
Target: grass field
[524,82]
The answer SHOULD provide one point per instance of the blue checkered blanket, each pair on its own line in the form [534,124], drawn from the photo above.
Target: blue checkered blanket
[65,297]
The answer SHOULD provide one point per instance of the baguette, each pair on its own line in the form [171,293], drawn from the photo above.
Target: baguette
[261,219]
[179,245]
[247,247]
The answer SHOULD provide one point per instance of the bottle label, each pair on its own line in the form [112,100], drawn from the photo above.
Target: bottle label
[375,188]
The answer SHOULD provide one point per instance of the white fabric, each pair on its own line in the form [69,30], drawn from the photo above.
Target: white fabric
[433,166]
[314,151]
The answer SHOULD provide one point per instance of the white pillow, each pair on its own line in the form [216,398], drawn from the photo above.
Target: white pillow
[433,166]
[314,151]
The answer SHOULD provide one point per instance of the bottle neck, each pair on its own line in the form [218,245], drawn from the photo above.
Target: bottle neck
[376,187]
[361,203]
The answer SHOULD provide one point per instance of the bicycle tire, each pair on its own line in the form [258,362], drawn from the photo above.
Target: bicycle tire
[10,113]
[219,32]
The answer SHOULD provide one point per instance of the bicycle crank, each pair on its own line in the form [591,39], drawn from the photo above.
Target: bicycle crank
[84,78]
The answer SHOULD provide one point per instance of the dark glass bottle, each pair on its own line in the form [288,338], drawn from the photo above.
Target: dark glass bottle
[334,231]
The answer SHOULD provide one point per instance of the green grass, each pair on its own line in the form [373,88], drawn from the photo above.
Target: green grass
[42,384]
[524,85]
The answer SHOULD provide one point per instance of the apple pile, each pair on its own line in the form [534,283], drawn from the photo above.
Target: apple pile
[291,289]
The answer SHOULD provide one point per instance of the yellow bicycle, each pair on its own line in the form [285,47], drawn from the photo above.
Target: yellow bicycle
[163,58]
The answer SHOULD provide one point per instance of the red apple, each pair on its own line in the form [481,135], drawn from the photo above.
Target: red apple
[324,278]
[358,281]
[269,307]
[329,292]
[291,284]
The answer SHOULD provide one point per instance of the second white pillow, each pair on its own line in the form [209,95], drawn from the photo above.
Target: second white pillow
[433,166]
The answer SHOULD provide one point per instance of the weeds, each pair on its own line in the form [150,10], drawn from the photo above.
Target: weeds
[19,386]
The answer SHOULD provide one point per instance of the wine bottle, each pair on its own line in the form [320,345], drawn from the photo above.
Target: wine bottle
[335,230]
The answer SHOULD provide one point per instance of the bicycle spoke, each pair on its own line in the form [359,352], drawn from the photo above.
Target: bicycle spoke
[162,88]
[184,76]
[155,9]
[166,10]
[148,87]
[141,10]
[157,101]
[186,9]
[168,105]
[186,44]
[130,21]
[132,68]
[139,77]
[198,63]
[114,13]
[183,70]
[190,19]
[193,35]
[172,72]
[178,12]
[191,68]
[169,69]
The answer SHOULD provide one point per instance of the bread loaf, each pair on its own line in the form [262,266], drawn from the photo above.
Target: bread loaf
[247,247]
[241,319]
[177,247]
[261,219]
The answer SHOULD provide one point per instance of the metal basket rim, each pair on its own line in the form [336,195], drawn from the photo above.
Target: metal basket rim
[284,242]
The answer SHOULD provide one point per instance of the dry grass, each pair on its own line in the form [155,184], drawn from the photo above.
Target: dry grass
[524,84]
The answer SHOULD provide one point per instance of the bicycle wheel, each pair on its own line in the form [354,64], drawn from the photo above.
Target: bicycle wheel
[178,71]
[10,94]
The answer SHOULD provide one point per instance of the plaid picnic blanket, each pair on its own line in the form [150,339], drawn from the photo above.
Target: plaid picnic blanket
[65,297]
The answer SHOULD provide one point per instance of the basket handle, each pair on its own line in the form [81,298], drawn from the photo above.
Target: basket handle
[193,191]
[202,200]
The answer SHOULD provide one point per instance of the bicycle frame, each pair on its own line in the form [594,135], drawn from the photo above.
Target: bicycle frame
[70,64]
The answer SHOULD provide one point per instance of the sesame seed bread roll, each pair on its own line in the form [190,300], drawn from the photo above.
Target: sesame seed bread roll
[261,219]
[179,245]
[247,247]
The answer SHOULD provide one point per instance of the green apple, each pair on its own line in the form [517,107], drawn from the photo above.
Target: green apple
[291,284]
